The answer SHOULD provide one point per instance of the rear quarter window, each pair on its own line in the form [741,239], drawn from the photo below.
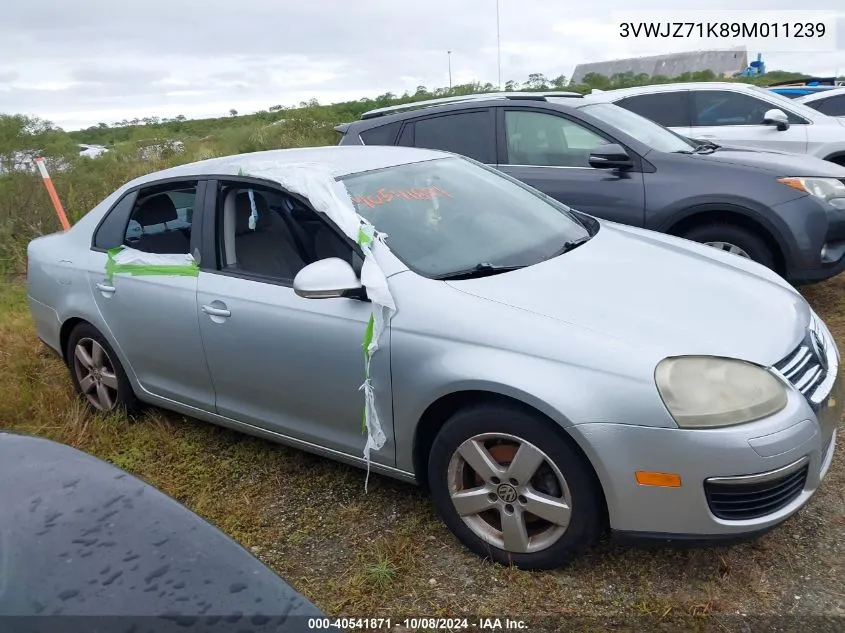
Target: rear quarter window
[381,135]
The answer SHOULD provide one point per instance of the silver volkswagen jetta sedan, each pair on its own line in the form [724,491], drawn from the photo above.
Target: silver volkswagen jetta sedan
[545,374]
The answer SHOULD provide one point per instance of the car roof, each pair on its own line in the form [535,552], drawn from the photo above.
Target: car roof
[412,110]
[341,160]
[793,105]
[617,93]
[821,94]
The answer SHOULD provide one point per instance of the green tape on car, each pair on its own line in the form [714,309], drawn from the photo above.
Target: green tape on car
[316,182]
[149,264]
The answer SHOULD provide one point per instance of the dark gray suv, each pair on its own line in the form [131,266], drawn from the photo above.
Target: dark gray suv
[782,210]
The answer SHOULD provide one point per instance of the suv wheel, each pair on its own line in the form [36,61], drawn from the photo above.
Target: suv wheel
[733,239]
[96,372]
[513,488]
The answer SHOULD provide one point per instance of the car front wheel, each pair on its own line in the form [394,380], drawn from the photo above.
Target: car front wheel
[733,239]
[96,372]
[513,488]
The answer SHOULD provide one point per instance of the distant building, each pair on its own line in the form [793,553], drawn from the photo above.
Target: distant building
[723,63]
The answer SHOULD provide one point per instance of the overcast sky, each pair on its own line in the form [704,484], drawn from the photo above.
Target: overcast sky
[79,62]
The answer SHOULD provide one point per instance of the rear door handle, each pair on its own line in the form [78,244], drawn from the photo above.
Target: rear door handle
[219,312]
[105,288]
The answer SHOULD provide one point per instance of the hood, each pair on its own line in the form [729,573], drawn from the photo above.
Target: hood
[778,163]
[659,292]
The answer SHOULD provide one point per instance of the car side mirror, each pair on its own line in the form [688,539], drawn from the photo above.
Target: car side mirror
[776,117]
[611,156]
[328,279]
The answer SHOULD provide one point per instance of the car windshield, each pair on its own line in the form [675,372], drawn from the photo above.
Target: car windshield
[780,100]
[448,215]
[644,130]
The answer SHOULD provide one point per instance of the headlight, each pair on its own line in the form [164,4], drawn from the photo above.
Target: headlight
[828,189]
[707,392]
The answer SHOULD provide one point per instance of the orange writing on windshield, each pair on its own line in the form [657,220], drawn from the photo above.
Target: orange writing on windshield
[384,196]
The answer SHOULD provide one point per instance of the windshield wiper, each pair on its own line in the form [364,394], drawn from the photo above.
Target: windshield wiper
[482,269]
[568,246]
[706,146]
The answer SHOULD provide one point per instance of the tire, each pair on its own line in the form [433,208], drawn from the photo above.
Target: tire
[106,388]
[731,235]
[563,473]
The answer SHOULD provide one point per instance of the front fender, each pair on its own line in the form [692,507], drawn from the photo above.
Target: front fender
[427,369]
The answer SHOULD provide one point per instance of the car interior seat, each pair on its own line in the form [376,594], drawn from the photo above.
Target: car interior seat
[159,209]
[269,248]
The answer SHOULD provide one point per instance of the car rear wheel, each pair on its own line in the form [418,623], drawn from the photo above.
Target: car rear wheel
[96,372]
[513,489]
[733,239]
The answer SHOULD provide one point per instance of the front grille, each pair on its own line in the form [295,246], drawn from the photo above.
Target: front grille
[803,369]
[734,500]
[812,367]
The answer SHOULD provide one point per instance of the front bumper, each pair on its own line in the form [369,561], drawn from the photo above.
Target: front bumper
[819,234]
[791,450]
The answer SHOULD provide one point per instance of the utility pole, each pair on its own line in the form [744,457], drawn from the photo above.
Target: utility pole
[449,58]
[498,45]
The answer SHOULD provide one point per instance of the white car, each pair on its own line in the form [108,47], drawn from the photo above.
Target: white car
[829,102]
[736,114]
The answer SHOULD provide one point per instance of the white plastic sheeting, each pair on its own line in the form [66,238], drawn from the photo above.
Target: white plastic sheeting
[133,257]
[316,182]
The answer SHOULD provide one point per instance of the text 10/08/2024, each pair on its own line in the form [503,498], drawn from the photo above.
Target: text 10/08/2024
[416,624]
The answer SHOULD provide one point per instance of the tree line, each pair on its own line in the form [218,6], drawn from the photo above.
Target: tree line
[22,132]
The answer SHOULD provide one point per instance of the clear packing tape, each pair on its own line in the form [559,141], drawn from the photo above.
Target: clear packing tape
[129,261]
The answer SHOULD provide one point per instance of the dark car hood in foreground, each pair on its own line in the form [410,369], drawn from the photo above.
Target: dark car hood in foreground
[661,293]
[79,537]
[779,163]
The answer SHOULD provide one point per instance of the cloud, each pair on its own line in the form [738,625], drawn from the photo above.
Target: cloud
[81,62]
[115,75]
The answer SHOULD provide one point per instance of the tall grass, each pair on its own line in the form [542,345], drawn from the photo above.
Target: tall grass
[26,211]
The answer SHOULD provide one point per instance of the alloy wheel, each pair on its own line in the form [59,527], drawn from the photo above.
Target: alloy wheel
[509,493]
[729,248]
[95,373]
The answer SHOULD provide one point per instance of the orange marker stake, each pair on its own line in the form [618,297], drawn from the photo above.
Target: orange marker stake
[51,190]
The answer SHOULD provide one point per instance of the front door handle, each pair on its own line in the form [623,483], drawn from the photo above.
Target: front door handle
[102,287]
[218,312]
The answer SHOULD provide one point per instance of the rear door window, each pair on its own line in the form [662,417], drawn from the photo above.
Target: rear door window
[471,134]
[162,219]
[112,229]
